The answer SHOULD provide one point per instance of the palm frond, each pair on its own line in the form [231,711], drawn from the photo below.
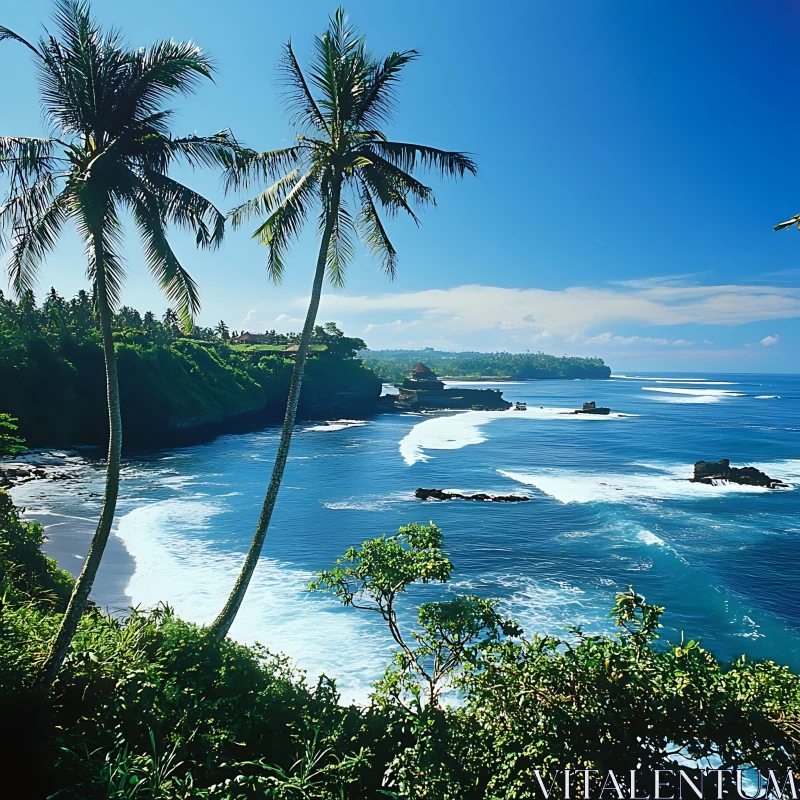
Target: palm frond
[374,235]
[176,283]
[34,235]
[795,220]
[340,70]
[96,215]
[184,207]
[28,156]
[393,187]
[165,69]
[244,166]
[205,151]
[82,74]
[7,33]
[408,156]
[305,111]
[377,104]
[285,223]
[266,202]
[341,248]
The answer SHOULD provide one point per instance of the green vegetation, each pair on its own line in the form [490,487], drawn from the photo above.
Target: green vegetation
[111,151]
[341,158]
[10,443]
[52,375]
[152,708]
[394,365]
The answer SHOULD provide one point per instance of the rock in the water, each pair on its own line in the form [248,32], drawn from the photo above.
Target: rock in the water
[11,474]
[712,471]
[438,494]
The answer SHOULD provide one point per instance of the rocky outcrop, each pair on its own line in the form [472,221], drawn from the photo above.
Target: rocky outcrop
[438,494]
[12,474]
[712,471]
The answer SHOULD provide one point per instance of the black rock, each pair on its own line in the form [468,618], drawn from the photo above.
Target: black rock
[710,472]
[438,494]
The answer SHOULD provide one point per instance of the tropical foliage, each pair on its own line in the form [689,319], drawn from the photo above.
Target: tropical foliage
[172,385]
[152,707]
[111,150]
[343,169]
[10,443]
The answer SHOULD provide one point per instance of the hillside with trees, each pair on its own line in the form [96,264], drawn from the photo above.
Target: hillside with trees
[52,375]
[394,365]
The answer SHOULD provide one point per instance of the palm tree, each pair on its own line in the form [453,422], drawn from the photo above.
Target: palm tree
[221,330]
[110,150]
[341,162]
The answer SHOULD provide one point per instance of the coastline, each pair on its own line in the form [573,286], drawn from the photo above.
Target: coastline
[68,535]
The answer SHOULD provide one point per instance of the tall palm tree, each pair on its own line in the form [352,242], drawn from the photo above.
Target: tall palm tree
[110,150]
[344,169]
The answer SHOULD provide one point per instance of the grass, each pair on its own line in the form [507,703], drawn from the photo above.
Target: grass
[271,348]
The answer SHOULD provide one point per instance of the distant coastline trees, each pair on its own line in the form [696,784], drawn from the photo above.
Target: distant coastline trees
[394,365]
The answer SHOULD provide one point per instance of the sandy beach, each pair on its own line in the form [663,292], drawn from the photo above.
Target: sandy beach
[69,531]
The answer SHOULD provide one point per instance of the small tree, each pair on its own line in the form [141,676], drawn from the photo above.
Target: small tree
[451,634]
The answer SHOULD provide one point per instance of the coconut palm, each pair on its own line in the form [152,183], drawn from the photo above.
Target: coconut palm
[343,169]
[110,149]
[221,331]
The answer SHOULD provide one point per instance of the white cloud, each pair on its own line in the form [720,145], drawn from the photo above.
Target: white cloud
[575,310]
[768,341]
[256,322]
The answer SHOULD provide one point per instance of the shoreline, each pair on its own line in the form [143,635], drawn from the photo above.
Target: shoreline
[68,535]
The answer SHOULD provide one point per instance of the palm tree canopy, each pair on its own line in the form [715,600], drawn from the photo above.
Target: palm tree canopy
[341,160]
[110,149]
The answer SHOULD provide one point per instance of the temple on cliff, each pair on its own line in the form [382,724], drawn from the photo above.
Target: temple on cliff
[423,391]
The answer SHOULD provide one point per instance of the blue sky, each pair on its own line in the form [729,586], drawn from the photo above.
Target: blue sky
[633,159]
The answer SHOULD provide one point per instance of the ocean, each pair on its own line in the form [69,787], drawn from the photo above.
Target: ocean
[611,507]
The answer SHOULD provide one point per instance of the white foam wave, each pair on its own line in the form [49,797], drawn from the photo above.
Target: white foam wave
[572,486]
[676,380]
[175,564]
[547,605]
[693,392]
[369,503]
[787,470]
[337,425]
[460,430]
[705,398]
[649,538]
[768,397]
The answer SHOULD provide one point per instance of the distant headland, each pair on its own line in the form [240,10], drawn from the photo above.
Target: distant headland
[393,366]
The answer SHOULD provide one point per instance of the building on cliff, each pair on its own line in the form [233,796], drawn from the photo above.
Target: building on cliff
[423,391]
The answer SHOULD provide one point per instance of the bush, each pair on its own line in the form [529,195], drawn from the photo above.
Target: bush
[150,706]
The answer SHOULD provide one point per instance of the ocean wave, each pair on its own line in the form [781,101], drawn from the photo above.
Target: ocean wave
[337,425]
[768,397]
[704,381]
[377,503]
[462,429]
[571,486]
[693,392]
[649,538]
[175,564]
[546,606]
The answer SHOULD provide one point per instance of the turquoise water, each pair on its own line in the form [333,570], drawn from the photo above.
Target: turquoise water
[610,507]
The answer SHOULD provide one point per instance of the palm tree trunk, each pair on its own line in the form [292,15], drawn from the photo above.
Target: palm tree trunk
[222,624]
[83,585]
